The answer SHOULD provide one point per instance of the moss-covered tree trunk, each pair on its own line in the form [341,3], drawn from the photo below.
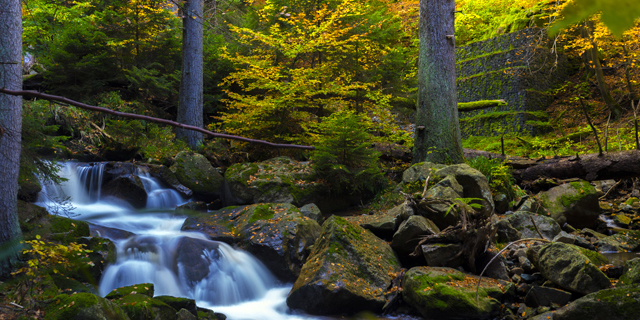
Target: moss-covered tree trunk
[191,84]
[437,133]
[10,130]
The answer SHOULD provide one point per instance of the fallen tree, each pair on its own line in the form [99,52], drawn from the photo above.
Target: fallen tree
[147,118]
[590,167]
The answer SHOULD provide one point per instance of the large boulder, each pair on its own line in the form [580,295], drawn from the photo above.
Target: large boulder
[278,180]
[622,303]
[439,211]
[349,270]
[128,188]
[165,174]
[29,186]
[84,306]
[521,221]
[408,235]
[567,266]
[277,234]
[194,171]
[420,172]
[631,272]
[446,293]
[575,203]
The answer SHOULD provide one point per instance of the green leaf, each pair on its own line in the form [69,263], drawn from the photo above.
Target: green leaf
[618,16]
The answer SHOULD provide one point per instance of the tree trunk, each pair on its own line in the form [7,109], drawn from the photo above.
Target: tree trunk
[10,130]
[437,133]
[614,107]
[614,165]
[191,84]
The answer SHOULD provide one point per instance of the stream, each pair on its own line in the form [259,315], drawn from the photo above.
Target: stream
[237,284]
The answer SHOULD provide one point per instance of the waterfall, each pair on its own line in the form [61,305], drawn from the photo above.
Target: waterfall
[182,264]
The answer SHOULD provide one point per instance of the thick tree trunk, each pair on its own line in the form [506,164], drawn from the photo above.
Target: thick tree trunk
[615,165]
[10,130]
[437,133]
[191,84]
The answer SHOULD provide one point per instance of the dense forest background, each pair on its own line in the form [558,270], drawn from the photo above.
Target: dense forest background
[275,69]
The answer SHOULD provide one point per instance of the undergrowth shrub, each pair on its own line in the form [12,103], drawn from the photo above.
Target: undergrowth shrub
[498,174]
[344,157]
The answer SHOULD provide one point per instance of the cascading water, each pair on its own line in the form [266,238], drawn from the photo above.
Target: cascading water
[228,281]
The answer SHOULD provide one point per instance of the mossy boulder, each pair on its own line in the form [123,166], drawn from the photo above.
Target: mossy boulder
[85,306]
[568,267]
[192,263]
[146,289]
[312,212]
[194,171]
[349,270]
[278,180]
[446,293]
[29,186]
[521,221]
[575,203]
[631,272]
[143,307]
[438,211]
[35,220]
[69,285]
[624,241]
[622,303]
[383,225]
[420,172]
[277,234]
[164,173]
[474,185]
[128,188]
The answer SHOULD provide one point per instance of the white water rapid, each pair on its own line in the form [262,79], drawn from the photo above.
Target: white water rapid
[151,249]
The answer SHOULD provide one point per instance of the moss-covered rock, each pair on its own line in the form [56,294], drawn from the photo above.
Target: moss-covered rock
[445,293]
[35,220]
[631,272]
[196,173]
[85,306]
[143,307]
[474,185]
[566,266]
[521,221]
[575,203]
[146,289]
[622,303]
[406,238]
[420,172]
[277,234]
[349,270]
[69,285]
[624,241]
[278,180]
[29,186]
[165,174]
[180,303]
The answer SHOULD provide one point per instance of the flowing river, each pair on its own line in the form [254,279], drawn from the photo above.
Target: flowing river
[237,284]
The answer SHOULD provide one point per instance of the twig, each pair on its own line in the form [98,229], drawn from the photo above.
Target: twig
[606,134]
[536,227]
[635,122]
[16,305]
[498,254]
[101,131]
[595,132]
[612,187]
[426,183]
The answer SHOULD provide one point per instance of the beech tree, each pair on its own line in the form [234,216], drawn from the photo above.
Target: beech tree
[10,130]
[191,83]
[437,131]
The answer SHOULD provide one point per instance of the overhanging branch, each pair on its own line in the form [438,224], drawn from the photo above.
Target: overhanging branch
[147,118]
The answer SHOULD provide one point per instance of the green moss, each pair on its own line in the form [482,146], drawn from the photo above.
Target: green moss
[595,257]
[482,104]
[67,230]
[261,212]
[142,288]
[139,306]
[582,188]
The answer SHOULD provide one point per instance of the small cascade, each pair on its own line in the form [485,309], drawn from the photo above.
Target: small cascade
[178,263]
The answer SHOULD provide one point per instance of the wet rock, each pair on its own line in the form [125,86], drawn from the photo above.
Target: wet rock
[575,203]
[312,212]
[621,303]
[196,173]
[445,293]
[146,289]
[106,232]
[566,266]
[622,220]
[84,306]
[545,296]
[128,188]
[184,314]
[521,221]
[192,206]
[191,260]
[143,307]
[443,255]
[625,241]
[631,272]
[349,270]
[217,224]
[406,238]
[165,174]
[497,269]
[177,303]
[474,183]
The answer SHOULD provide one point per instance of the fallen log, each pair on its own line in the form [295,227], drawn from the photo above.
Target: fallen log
[590,167]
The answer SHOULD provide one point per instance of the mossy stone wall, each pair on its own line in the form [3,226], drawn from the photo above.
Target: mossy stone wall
[517,67]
